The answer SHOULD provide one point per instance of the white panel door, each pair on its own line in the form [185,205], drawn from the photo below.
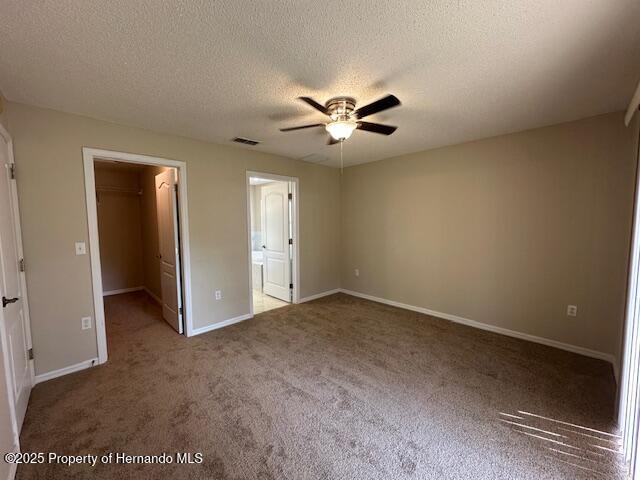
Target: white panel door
[275,240]
[167,211]
[16,338]
[8,436]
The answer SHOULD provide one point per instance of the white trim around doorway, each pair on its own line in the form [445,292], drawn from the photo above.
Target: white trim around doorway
[295,271]
[89,155]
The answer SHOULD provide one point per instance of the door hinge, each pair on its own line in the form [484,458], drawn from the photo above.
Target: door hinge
[12,171]
[291,285]
[291,241]
[30,353]
[180,310]
[21,264]
[291,196]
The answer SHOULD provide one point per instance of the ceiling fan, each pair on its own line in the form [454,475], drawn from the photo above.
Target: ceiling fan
[345,118]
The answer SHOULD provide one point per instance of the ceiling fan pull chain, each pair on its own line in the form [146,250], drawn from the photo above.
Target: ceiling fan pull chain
[341,161]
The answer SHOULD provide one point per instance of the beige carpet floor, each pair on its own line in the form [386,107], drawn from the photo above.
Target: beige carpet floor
[338,388]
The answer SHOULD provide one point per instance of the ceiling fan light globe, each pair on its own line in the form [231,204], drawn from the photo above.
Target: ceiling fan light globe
[341,129]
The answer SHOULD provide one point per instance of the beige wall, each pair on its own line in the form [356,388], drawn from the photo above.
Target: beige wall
[254,200]
[506,231]
[119,226]
[48,149]
[128,227]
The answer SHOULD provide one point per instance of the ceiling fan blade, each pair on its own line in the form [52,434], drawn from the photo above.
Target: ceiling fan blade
[389,101]
[314,104]
[303,126]
[332,141]
[376,128]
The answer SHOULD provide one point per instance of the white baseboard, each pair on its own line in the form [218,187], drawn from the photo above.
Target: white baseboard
[492,328]
[224,323]
[231,321]
[152,295]
[319,295]
[43,377]
[121,290]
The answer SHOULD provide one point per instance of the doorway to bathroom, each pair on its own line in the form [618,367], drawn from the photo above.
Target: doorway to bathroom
[272,226]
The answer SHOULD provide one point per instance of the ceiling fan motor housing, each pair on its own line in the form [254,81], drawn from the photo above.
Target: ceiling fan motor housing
[345,118]
[340,108]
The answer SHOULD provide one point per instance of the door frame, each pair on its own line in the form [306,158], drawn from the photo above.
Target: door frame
[89,155]
[629,384]
[295,270]
[25,307]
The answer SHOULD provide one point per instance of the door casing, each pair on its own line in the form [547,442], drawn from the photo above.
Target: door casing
[89,155]
[295,271]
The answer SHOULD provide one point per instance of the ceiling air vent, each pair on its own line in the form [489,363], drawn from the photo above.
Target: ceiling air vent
[245,141]
[314,158]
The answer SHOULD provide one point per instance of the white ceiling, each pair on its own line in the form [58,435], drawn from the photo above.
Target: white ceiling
[214,70]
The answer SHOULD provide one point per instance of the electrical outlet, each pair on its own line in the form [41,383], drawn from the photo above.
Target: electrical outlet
[86,323]
[356,272]
[81,248]
[218,294]
[572,310]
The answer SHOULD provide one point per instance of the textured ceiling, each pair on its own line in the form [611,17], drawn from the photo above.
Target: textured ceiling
[214,70]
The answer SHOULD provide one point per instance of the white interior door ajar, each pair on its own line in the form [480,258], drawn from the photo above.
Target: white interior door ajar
[275,240]
[167,211]
[16,338]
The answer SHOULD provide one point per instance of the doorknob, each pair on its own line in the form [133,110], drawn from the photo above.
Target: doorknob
[6,301]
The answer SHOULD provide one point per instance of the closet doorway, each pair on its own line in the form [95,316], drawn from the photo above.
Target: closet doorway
[138,245]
